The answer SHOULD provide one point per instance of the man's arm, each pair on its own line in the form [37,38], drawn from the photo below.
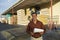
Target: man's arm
[43,27]
[28,30]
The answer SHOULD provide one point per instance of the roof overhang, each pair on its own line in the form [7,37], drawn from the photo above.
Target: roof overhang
[25,4]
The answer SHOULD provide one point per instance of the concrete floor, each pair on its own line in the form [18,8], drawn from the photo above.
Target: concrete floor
[19,33]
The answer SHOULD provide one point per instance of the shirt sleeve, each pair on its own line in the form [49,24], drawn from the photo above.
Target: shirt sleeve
[43,27]
[28,29]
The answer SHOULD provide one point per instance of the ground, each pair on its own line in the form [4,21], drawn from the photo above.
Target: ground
[19,33]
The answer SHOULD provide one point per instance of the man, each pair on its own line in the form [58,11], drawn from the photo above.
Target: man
[34,23]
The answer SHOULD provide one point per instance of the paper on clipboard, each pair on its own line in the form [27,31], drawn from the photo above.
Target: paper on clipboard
[38,30]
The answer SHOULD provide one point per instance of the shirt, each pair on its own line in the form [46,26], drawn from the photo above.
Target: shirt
[32,25]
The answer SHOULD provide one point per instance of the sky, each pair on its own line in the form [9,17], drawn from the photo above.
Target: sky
[6,4]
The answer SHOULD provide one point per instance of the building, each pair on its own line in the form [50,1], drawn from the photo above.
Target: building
[22,8]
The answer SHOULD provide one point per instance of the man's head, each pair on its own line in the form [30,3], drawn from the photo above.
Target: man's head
[34,16]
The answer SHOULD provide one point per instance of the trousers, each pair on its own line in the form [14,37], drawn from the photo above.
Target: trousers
[40,38]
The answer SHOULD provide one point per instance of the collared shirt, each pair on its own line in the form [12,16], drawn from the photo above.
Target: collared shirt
[32,25]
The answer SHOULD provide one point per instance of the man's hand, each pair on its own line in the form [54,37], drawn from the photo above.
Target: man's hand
[41,33]
[32,33]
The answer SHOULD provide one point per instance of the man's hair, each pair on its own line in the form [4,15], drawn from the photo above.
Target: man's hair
[34,13]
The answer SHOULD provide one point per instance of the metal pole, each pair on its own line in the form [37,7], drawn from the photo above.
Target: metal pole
[51,16]
[51,9]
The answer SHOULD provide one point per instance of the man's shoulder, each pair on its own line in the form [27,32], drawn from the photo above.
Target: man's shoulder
[39,21]
[29,22]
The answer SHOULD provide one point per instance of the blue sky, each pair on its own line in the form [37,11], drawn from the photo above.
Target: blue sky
[5,4]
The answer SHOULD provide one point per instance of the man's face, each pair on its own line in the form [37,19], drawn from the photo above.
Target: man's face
[34,16]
